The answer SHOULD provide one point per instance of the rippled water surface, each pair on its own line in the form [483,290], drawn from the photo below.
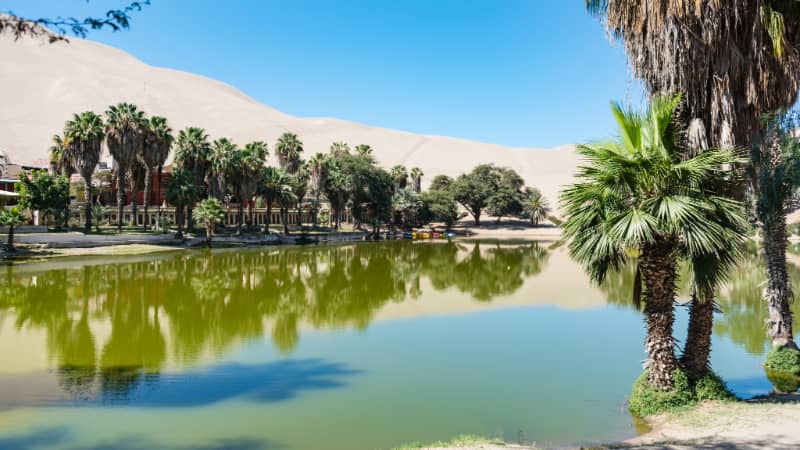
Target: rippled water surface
[339,347]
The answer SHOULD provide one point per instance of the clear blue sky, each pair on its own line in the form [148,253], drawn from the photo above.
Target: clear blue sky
[535,73]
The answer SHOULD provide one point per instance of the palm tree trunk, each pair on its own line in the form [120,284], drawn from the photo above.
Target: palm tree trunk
[10,244]
[658,275]
[778,292]
[87,182]
[209,234]
[179,221]
[158,199]
[148,179]
[268,220]
[120,196]
[250,221]
[190,218]
[285,220]
[697,349]
[240,218]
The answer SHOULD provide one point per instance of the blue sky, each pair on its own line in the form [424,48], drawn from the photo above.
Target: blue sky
[533,73]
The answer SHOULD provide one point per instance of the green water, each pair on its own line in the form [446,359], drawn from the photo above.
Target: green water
[339,347]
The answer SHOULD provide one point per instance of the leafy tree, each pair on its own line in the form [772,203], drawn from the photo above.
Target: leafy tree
[637,193]
[46,193]
[125,134]
[194,154]
[338,188]
[473,190]
[59,159]
[535,207]
[441,182]
[115,19]
[289,150]
[505,201]
[439,206]
[274,187]
[251,161]
[211,212]
[317,170]
[399,177]
[157,145]
[409,204]
[181,192]
[416,179]
[84,137]
[300,185]
[11,218]
[379,194]
[224,166]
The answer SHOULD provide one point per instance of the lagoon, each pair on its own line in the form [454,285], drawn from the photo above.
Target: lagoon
[360,346]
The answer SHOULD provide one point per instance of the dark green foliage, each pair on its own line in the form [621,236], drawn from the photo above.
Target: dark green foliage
[439,206]
[783,381]
[783,359]
[44,192]
[488,186]
[441,182]
[712,387]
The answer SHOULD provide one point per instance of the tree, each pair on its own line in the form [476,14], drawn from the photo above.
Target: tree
[11,218]
[473,190]
[289,150]
[409,204]
[338,188]
[300,187]
[193,154]
[505,201]
[535,207]
[41,191]
[252,158]
[210,212]
[439,206]
[158,143]
[286,198]
[273,182]
[776,171]
[115,19]
[84,137]
[363,150]
[441,182]
[317,170]
[416,179]
[181,192]
[59,159]
[125,132]
[134,177]
[399,177]
[339,149]
[637,194]
[224,166]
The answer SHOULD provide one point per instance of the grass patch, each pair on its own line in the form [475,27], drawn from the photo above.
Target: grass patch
[464,440]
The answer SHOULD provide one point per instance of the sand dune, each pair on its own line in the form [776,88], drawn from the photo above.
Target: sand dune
[43,84]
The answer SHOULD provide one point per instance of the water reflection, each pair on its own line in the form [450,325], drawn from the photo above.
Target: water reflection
[111,329]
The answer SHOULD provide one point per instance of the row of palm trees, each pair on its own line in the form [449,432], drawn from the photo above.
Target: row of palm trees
[205,168]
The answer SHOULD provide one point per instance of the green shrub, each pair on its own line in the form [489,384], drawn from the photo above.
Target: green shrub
[646,400]
[783,359]
[712,387]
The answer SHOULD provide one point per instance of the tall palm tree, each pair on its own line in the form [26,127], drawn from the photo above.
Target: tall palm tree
[535,206]
[317,166]
[745,65]
[273,181]
[636,193]
[416,179]
[338,188]
[85,133]
[125,132]
[363,150]
[223,160]
[157,144]
[776,171]
[253,158]
[289,150]
[339,148]
[300,188]
[193,154]
[59,160]
[181,192]
[399,176]
[135,177]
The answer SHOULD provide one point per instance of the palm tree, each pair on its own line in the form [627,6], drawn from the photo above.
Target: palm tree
[399,176]
[317,168]
[416,179]
[338,188]
[11,218]
[157,145]
[731,73]
[363,150]
[286,198]
[289,150]
[223,161]
[637,194]
[253,157]
[535,207]
[135,177]
[338,149]
[776,170]
[210,212]
[300,188]
[273,181]
[125,132]
[181,192]
[193,154]
[59,161]
[85,133]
